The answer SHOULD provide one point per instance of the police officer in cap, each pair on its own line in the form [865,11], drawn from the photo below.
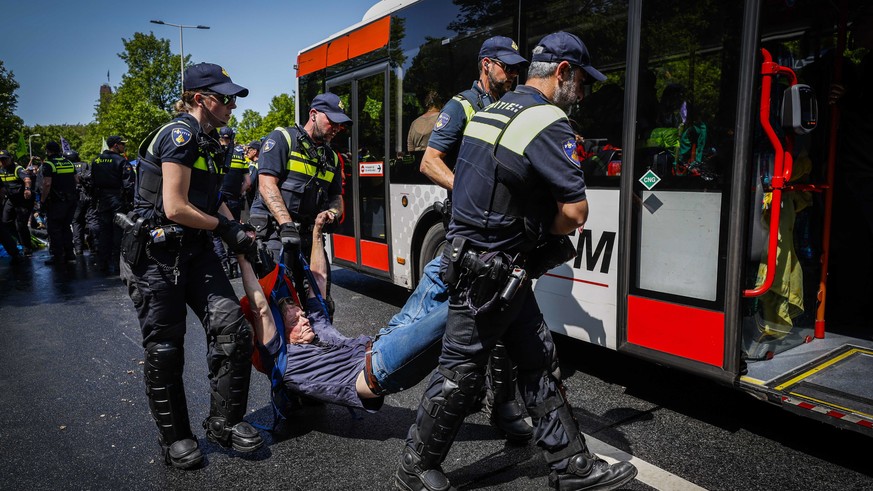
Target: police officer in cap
[111,178]
[519,186]
[18,207]
[299,176]
[169,265]
[499,64]
[60,197]
[231,194]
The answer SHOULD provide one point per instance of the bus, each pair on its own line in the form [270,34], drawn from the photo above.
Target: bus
[726,235]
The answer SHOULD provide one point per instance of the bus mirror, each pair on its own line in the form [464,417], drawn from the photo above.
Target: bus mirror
[799,109]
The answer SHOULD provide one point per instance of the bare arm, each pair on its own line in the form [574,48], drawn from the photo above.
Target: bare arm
[264,324]
[570,216]
[318,265]
[46,187]
[268,186]
[433,165]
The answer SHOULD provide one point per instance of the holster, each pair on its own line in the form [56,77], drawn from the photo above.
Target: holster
[456,256]
[134,237]
[548,254]
[263,225]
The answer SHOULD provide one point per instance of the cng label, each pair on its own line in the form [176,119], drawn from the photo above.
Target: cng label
[649,179]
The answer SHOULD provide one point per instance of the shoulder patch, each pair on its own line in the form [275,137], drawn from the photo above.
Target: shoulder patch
[569,147]
[442,120]
[181,136]
[268,145]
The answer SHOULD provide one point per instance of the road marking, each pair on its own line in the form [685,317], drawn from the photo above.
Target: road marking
[648,474]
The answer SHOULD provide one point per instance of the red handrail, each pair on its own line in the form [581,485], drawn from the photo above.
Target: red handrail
[782,165]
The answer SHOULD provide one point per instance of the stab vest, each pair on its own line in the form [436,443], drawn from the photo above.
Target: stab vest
[13,183]
[206,174]
[305,188]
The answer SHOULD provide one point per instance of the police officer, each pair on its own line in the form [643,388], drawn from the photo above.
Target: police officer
[169,265]
[499,64]
[231,194]
[85,220]
[18,206]
[518,185]
[112,178]
[299,176]
[59,200]
[253,150]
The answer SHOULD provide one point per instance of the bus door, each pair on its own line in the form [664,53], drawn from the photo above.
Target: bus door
[677,193]
[361,239]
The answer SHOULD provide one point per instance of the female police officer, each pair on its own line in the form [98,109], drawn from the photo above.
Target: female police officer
[169,263]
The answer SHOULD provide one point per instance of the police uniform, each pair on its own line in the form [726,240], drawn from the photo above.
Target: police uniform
[60,205]
[178,269]
[310,178]
[86,222]
[112,179]
[6,238]
[231,195]
[506,414]
[516,161]
[17,210]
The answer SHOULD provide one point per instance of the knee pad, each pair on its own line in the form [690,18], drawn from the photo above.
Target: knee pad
[164,363]
[235,340]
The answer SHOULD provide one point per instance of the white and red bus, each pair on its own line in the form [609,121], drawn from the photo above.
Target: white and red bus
[718,226]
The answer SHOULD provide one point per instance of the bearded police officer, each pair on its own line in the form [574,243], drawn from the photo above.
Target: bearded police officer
[169,265]
[299,176]
[111,178]
[59,197]
[518,187]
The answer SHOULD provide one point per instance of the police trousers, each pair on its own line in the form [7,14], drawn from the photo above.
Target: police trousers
[58,223]
[469,338]
[16,216]
[109,235]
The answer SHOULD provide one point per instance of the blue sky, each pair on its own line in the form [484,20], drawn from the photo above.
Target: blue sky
[60,50]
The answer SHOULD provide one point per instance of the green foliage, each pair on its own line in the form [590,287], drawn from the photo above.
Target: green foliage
[9,122]
[250,127]
[281,114]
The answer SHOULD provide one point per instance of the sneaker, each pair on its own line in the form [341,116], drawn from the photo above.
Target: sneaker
[410,478]
[586,471]
[184,454]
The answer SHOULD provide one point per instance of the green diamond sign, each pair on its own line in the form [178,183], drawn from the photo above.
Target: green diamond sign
[649,179]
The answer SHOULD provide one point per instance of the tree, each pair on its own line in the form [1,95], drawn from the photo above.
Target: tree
[250,127]
[146,96]
[281,114]
[10,124]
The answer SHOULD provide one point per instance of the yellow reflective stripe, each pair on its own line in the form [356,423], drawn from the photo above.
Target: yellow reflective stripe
[238,165]
[481,131]
[64,168]
[522,131]
[469,111]
[298,162]
[7,177]
[201,164]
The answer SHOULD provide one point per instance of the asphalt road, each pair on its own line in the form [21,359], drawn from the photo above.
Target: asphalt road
[74,413]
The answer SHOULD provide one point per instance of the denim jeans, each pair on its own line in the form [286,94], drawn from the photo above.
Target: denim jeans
[408,349]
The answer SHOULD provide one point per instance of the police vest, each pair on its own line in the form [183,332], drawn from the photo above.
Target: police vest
[13,183]
[107,172]
[502,205]
[235,175]
[471,102]
[206,175]
[305,188]
[63,175]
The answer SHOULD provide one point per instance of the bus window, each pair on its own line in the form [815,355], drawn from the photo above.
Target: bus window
[599,118]
[371,156]
[686,114]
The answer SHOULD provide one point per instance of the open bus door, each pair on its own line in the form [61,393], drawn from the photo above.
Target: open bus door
[361,239]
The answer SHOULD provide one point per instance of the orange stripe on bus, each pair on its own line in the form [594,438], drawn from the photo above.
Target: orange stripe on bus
[344,248]
[688,332]
[374,255]
[359,42]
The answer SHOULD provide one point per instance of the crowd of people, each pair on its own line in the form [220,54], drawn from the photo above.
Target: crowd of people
[174,227]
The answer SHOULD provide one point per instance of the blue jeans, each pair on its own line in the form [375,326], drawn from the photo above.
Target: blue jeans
[406,351]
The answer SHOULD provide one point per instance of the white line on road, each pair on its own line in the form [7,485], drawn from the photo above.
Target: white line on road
[648,474]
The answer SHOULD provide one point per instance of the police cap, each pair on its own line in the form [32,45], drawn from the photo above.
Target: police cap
[5,155]
[563,46]
[331,105]
[114,140]
[503,49]
[209,76]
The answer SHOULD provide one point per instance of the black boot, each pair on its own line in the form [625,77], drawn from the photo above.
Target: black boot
[169,408]
[507,414]
[411,477]
[588,472]
[242,436]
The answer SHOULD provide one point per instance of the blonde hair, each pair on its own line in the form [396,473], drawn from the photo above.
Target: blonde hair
[186,103]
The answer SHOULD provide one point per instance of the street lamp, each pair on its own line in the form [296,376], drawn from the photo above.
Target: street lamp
[181,46]
[30,144]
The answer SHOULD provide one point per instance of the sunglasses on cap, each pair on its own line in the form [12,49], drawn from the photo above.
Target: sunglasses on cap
[224,99]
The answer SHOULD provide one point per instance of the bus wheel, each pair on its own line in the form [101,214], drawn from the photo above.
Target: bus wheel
[432,246]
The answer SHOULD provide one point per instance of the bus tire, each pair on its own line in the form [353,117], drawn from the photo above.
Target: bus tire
[431,246]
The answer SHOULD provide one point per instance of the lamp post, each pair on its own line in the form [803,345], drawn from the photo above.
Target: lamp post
[181,46]
[30,143]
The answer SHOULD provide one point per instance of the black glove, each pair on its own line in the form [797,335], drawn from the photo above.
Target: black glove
[290,235]
[240,238]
